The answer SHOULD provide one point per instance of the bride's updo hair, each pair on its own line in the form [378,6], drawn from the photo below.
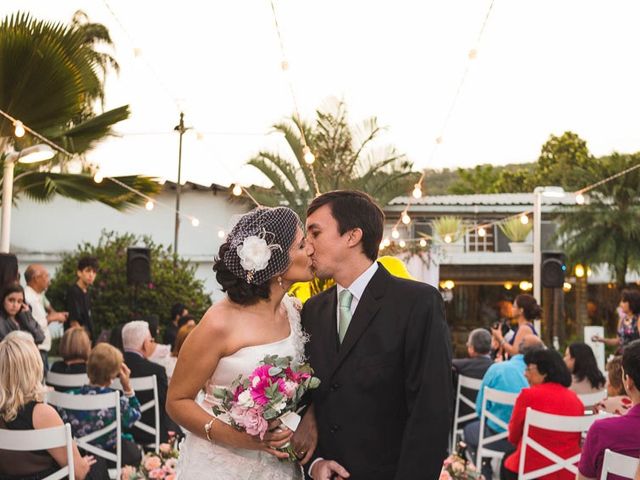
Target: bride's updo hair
[256,250]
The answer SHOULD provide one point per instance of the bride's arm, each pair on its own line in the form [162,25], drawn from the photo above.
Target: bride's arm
[198,359]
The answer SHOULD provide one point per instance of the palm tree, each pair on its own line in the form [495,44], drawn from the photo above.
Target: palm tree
[345,157]
[49,81]
[606,230]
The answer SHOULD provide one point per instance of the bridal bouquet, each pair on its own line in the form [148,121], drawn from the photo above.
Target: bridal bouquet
[272,391]
[457,467]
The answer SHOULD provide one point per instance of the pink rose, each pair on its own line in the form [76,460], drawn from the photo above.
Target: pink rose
[156,473]
[444,475]
[165,448]
[290,388]
[127,472]
[237,413]
[254,423]
[152,462]
[170,465]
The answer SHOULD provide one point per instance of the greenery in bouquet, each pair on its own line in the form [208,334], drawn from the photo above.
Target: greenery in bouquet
[457,467]
[161,465]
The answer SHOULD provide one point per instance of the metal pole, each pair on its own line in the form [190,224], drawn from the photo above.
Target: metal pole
[7,194]
[537,243]
[180,129]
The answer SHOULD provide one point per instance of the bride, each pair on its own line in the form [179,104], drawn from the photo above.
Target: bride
[263,256]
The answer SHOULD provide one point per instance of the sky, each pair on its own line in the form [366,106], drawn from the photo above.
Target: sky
[542,67]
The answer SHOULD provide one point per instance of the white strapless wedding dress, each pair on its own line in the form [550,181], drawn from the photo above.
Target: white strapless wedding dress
[200,459]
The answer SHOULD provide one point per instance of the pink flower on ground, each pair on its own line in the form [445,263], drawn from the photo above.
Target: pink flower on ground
[127,472]
[254,423]
[170,477]
[444,475]
[165,448]
[152,462]
[157,473]
[170,465]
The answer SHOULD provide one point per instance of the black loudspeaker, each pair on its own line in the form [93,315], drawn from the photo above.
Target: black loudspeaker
[138,265]
[553,269]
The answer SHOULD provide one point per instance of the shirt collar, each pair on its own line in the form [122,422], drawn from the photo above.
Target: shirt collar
[360,283]
[130,350]
[31,290]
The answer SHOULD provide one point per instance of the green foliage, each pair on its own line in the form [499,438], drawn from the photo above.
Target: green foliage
[448,225]
[607,228]
[345,157]
[515,230]
[111,296]
[479,179]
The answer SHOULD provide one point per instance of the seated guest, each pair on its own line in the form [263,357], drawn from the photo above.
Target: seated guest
[15,314]
[186,320]
[75,347]
[106,364]
[115,337]
[586,377]
[620,433]
[177,310]
[478,349]
[138,347]
[505,376]
[170,363]
[550,380]
[617,402]
[21,408]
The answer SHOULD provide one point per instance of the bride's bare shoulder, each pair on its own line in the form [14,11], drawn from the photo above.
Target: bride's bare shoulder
[219,318]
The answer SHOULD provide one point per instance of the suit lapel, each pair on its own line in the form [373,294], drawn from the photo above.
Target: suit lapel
[366,310]
[327,313]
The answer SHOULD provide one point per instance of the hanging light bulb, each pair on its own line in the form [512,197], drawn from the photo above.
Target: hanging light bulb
[19,129]
[579,270]
[423,243]
[237,190]
[309,157]
[98,177]
[195,222]
[220,233]
[417,191]
[524,219]
[473,53]
[149,205]
[395,233]
[284,65]
[449,284]
[386,242]
[566,287]
[508,285]
[381,246]
[402,243]
[406,219]
[482,232]
[447,238]
[580,199]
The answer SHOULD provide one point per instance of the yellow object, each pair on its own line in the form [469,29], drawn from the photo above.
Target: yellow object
[303,291]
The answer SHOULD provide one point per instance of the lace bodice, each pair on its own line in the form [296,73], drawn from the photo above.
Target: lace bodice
[199,458]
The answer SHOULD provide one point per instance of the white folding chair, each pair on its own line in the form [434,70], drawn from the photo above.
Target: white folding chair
[555,423]
[67,380]
[102,401]
[495,396]
[472,384]
[42,439]
[618,464]
[141,384]
[590,400]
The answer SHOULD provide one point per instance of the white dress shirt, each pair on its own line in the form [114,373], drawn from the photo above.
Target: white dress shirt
[38,303]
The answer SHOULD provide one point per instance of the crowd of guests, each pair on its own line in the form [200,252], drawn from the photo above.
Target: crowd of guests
[518,362]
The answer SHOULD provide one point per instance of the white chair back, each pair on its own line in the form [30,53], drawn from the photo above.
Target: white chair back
[472,384]
[42,439]
[141,384]
[102,401]
[590,400]
[67,380]
[495,396]
[555,423]
[618,464]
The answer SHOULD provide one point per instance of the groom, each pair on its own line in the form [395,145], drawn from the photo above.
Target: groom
[380,346]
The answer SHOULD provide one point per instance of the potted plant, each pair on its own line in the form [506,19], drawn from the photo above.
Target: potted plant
[449,232]
[517,232]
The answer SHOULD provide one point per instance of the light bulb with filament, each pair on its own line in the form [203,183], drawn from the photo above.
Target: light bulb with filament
[220,233]
[149,205]
[195,222]
[402,243]
[237,190]
[395,233]
[423,243]
[406,219]
[309,157]
[524,219]
[417,191]
[98,177]
[447,238]
[580,199]
[19,129]
[482,232]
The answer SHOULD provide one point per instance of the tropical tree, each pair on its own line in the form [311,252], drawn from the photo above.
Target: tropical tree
[49,81]
[606,229]
[345,157]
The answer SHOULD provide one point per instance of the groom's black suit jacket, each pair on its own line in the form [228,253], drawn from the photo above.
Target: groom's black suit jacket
[384,405]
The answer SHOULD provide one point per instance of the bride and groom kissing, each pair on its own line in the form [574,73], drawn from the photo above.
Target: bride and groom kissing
[379,345]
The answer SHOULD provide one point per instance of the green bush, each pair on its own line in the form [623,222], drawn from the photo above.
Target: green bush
[113,301]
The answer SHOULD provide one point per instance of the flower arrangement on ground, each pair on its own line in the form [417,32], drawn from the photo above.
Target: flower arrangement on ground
[161,465]
[457,467]
[272,391]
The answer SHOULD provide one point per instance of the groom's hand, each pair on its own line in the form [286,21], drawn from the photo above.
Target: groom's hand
[305,438]
[328,470]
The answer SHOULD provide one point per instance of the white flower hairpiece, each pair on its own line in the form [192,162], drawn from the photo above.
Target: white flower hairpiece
[254,253]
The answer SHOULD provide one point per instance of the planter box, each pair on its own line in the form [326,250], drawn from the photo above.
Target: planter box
[521,247]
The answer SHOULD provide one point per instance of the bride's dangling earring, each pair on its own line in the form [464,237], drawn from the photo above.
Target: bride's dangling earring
[279,280]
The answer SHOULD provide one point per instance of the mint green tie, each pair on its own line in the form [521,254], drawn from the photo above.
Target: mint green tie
[344,301]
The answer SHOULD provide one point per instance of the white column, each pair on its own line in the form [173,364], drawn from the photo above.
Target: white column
[7,194]
[537,244]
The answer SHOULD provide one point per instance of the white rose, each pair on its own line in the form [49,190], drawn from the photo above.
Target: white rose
[278,407]
[245,400]
[254,253]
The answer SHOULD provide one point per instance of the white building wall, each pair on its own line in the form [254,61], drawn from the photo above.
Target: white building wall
[41,232]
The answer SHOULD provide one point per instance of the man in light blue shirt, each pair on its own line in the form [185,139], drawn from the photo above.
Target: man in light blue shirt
[507,377]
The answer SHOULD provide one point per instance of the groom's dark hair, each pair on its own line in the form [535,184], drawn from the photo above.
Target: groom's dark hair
[354,209]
